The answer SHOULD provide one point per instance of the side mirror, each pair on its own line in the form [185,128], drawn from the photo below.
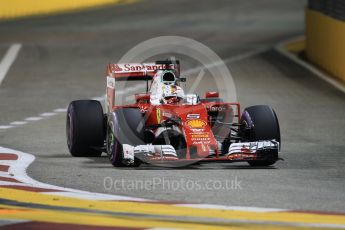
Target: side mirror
[143,98]
[183,79]
[211,94]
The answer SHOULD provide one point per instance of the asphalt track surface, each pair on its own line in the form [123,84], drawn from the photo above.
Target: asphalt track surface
[63,59]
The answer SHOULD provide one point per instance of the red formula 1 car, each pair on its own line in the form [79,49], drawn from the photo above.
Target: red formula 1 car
[165,126]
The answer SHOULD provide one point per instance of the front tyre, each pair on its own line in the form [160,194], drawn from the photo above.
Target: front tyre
[260,123]
[85,128]
[115,150]
[126,126]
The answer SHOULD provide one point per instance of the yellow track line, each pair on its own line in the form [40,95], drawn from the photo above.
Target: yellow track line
[109,221]
[88,219]
[22,8]
[169,210]
[296,46]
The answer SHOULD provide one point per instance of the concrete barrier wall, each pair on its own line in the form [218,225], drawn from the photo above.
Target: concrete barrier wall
[10,9]
[325,42]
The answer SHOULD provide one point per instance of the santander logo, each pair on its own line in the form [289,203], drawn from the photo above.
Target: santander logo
[149,67]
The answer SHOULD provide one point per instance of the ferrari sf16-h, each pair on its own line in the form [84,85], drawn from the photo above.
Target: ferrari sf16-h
[165,126]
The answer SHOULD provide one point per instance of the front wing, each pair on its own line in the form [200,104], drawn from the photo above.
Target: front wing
[244,151]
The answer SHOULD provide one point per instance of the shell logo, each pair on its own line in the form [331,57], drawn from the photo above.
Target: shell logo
[197,123]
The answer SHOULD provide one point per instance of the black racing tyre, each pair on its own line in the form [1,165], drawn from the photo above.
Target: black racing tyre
[115,151]
[85,128]
[128,128]
[260,123]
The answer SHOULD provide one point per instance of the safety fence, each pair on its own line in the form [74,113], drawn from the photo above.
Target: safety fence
[325,35]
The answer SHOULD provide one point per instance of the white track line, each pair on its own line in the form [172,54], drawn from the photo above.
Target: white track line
[33,118]
[47,114]
[17,171]
[60,110]
[337,84]
[18,123]
[8,60]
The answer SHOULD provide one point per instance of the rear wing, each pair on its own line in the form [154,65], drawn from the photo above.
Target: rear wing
[140,71]
[134,72]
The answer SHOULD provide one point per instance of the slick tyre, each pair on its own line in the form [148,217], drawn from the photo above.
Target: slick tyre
[85,128]
[260,123]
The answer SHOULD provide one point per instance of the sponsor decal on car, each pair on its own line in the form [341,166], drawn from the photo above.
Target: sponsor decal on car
[111,82]
[158,113]
[124,68]
[201,139]
[216,108]
[201,135]
[242,156]
[143,108]
[116,67]
[193,116]
[196,123]
[197,130]
[201,142]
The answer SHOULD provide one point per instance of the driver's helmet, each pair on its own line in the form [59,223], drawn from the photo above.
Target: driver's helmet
[172,94]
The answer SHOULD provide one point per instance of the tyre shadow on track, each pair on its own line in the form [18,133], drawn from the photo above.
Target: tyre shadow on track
[103,162]
[96,161]
[149,167]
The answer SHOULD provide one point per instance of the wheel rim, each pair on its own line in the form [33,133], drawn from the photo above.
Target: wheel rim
[110,145]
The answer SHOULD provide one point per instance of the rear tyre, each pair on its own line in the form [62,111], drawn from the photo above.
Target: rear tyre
[260,123]
[85,128]
[125,127]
